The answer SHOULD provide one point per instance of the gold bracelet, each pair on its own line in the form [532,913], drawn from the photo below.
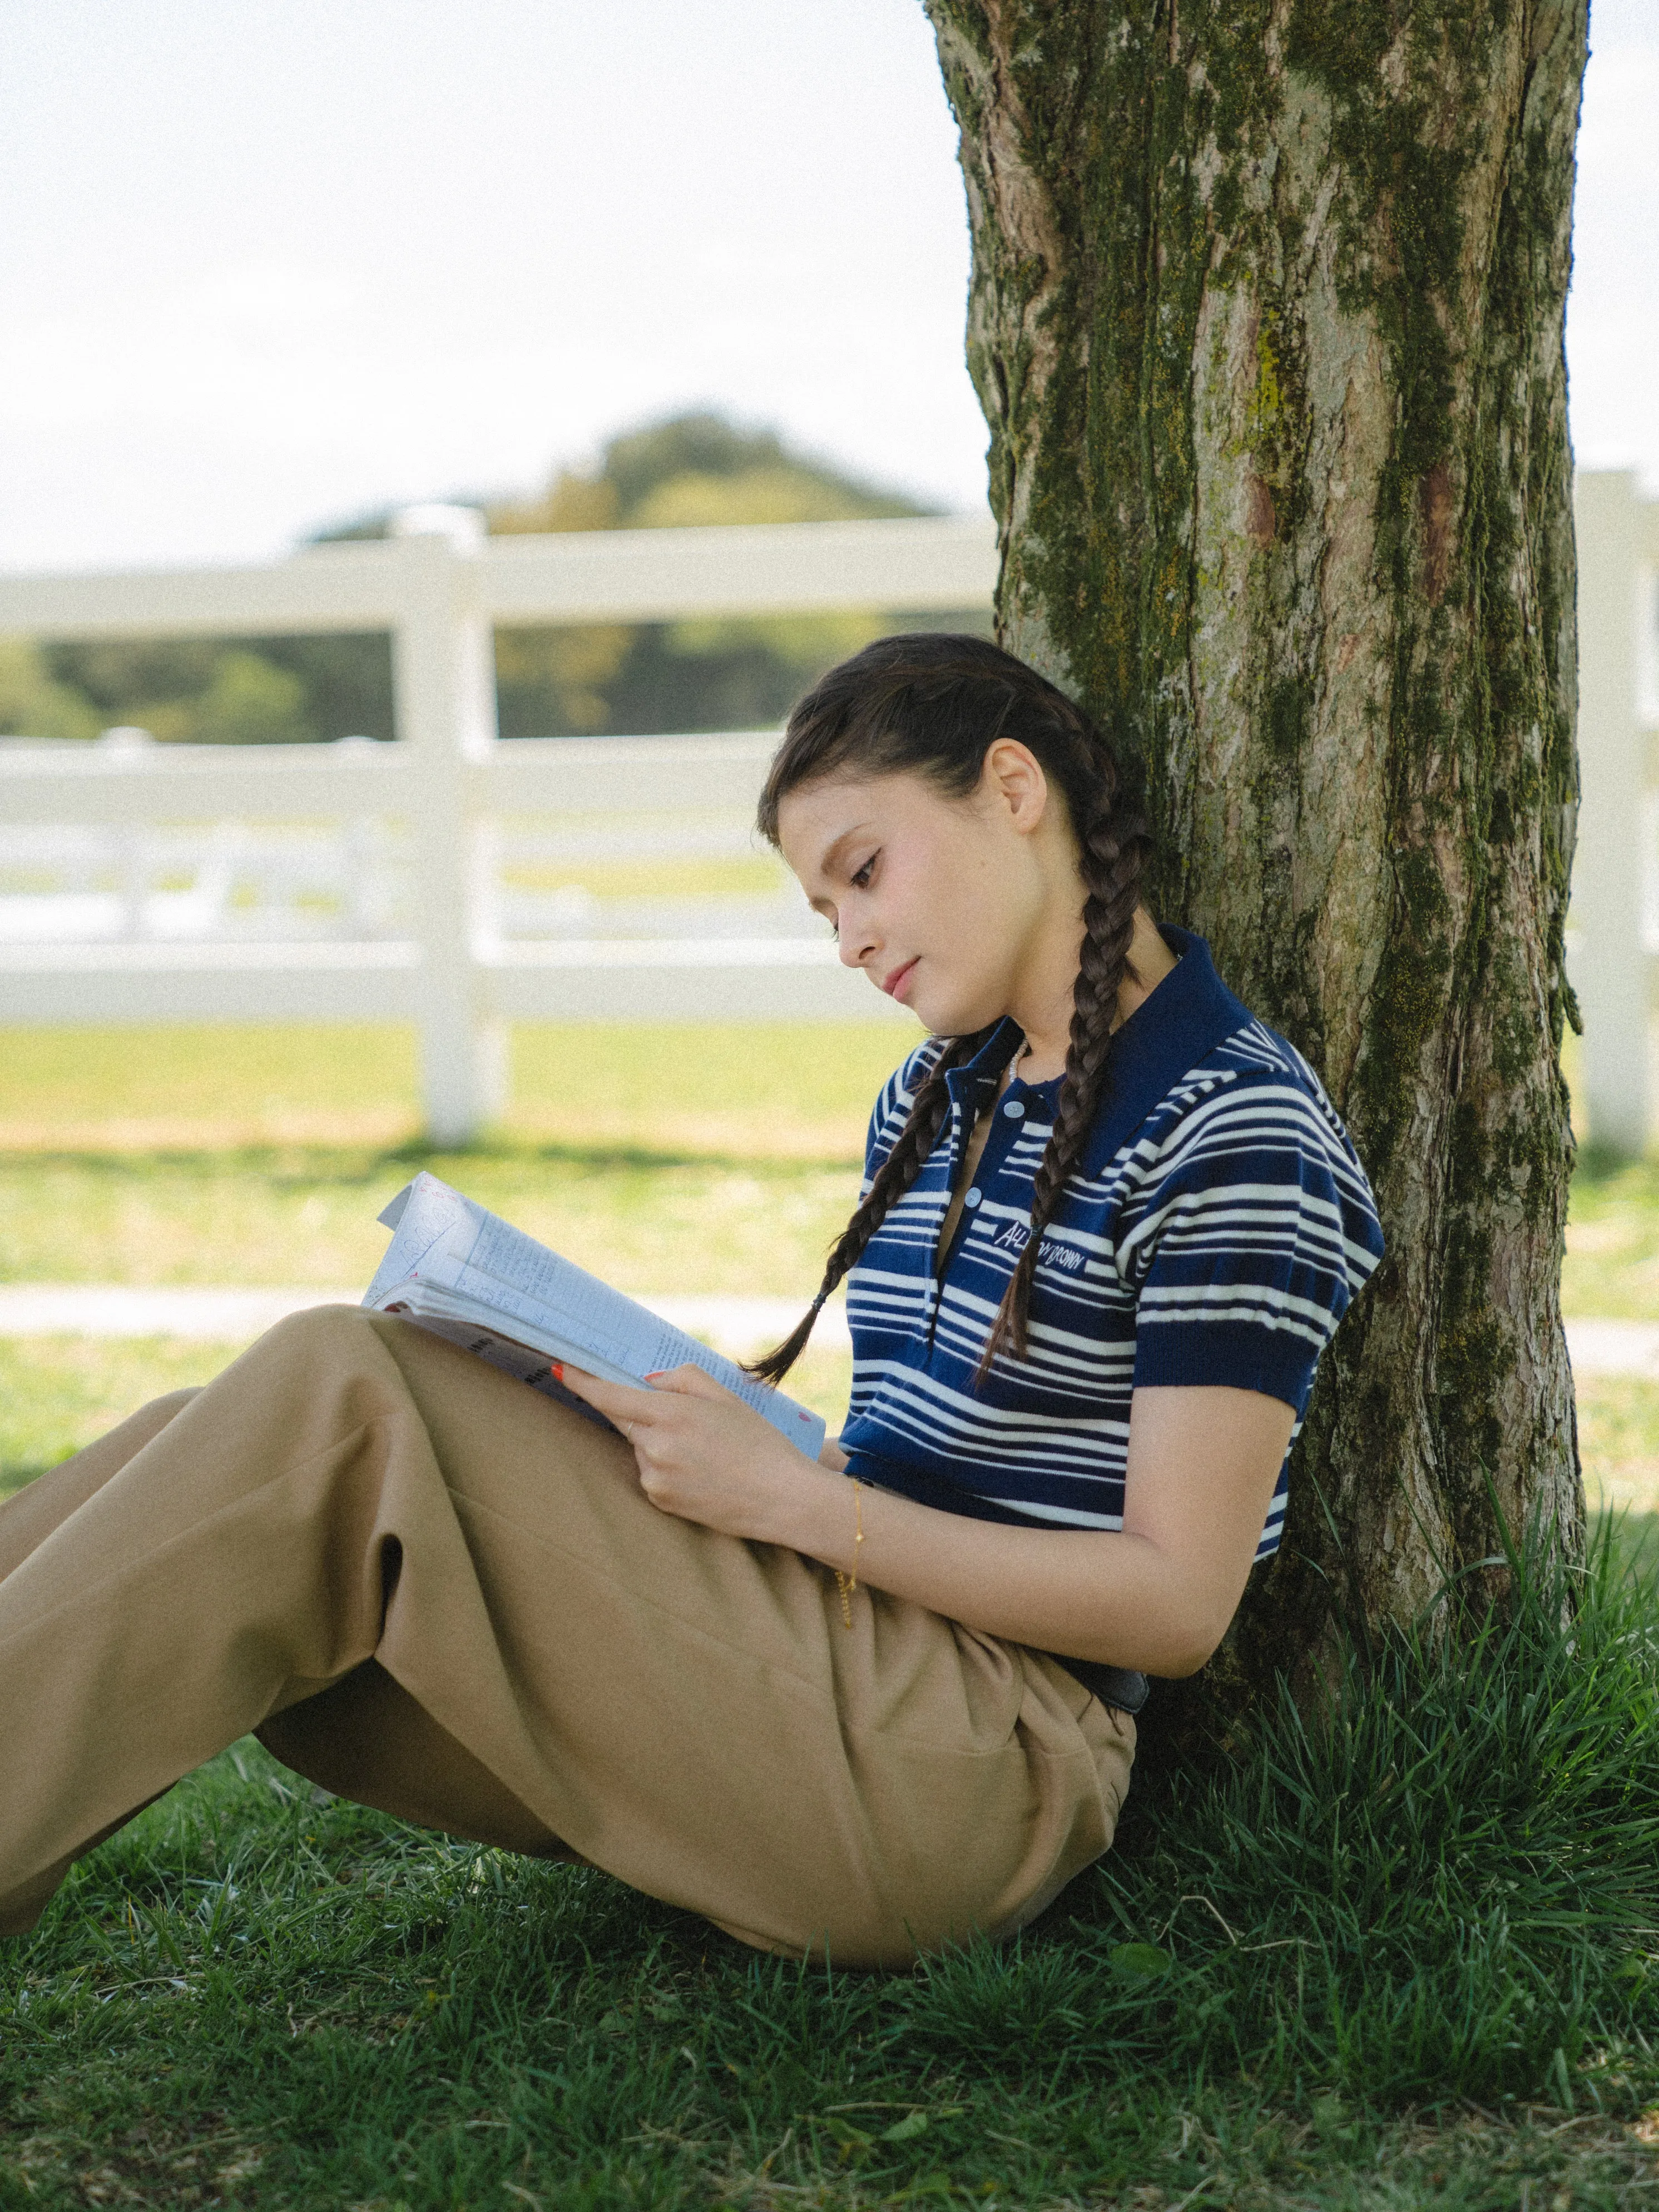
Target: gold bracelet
[847,1583]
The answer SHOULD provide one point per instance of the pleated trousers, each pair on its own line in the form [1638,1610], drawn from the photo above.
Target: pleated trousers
[431,1590]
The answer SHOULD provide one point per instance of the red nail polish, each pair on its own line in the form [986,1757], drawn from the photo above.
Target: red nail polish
[555,1369]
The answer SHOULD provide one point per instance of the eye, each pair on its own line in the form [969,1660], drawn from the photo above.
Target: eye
[860,877]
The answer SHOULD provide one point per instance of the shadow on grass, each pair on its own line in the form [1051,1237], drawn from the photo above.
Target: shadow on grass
[352,1167]
[619,1155]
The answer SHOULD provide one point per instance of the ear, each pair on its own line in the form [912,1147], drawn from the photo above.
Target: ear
[1011,778]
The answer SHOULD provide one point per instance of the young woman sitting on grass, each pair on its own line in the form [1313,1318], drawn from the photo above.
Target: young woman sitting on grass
[860,1708]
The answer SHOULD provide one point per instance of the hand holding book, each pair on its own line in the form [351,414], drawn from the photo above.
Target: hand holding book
[704,1455]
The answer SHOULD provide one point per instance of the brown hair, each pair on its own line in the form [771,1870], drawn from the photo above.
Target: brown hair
[933,705]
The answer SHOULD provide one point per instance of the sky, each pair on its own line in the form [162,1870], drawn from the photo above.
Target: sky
[270,263]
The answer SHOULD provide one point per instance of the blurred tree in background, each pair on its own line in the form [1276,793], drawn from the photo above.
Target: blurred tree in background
[691,471]
[235,691]
[33,704]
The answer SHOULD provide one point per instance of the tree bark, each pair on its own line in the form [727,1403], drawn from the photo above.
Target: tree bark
[1265,319]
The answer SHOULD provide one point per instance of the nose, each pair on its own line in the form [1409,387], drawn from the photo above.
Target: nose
[855,943]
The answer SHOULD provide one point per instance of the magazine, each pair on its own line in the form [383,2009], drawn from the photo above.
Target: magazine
[463,1272]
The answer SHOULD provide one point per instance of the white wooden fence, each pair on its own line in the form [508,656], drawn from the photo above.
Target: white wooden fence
[442,796]
[1615,877]
[384,875]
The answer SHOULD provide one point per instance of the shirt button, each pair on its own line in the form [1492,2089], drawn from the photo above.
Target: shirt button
[972,1198]
[1014,1110]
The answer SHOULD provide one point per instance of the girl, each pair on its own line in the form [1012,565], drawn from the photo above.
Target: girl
[861,1708]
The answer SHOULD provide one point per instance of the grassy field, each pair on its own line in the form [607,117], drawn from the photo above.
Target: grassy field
[785,1092]
[1406,1956]
[647,1220]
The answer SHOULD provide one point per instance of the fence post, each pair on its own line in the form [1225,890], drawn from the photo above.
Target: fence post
[1610,966]
[443,668]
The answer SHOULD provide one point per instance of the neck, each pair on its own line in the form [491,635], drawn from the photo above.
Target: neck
[1045,1012]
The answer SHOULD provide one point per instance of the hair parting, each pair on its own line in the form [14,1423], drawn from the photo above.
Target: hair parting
[932,705]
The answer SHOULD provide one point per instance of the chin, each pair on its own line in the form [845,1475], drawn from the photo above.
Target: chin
[940,1017]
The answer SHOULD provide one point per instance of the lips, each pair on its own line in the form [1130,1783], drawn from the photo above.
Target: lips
[894,984]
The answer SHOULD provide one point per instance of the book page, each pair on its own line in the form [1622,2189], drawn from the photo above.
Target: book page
[449,1241]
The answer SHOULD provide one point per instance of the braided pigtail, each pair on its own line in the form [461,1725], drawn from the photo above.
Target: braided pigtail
[1112,854]
[895,1176]
[932,704]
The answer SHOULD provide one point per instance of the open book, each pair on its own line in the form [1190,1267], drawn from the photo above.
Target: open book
[461,1271]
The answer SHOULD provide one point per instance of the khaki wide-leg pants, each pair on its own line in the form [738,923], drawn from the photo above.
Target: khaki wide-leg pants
[432,1590]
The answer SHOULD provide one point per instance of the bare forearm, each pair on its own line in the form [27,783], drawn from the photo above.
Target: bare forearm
[1100,1594]
[1158,1594]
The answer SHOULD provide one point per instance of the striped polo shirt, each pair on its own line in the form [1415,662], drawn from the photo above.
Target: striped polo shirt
[1215,1232]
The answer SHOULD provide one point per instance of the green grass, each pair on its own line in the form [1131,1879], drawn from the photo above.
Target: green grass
[1619,1441]
[795,1091]
[716,1160]
[1612,1243]
[1405,1956]
[57,1395]
[645,1221]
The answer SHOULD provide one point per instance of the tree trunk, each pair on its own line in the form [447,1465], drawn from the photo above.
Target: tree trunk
[1266,322]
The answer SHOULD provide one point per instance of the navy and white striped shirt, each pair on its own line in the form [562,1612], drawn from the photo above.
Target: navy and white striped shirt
[1218,1228]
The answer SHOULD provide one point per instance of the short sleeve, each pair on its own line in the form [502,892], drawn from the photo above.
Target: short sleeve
[1254,1234]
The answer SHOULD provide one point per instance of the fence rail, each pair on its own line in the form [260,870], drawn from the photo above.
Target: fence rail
[431,841]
